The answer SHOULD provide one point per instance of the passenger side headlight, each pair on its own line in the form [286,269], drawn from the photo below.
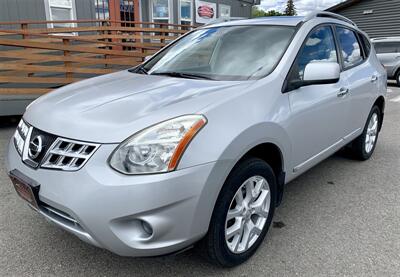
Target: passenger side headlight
[158,148]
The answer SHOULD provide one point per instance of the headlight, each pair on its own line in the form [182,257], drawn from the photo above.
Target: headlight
[158,148]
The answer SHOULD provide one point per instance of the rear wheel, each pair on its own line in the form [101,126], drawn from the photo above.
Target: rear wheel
[242,214]
[398,78]
[364,145]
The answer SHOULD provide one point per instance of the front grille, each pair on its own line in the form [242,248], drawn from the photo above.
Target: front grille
[69,155]
[47,141]
[54,152]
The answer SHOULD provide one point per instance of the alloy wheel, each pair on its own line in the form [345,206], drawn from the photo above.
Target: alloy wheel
[247,214]
[372,132]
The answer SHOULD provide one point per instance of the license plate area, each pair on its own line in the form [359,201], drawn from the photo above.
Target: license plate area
[26,188]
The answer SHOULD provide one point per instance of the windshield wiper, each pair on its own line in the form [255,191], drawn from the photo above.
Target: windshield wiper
[182,75]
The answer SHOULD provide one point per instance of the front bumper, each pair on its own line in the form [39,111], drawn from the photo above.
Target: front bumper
[107,209]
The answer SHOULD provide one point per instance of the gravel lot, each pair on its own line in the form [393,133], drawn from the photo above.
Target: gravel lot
[340,218]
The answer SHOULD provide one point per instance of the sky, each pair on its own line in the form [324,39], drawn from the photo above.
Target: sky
[302,6]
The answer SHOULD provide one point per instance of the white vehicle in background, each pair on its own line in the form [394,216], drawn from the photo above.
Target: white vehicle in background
[388,52]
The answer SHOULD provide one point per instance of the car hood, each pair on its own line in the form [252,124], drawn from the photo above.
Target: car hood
[110,108]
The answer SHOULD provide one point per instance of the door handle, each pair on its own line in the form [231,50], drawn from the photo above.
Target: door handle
[374,78]
[343,92]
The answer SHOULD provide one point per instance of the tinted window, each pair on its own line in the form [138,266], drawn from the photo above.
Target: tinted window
[319,46]
[351,50]
[387,47]
[225,53]
[366,44]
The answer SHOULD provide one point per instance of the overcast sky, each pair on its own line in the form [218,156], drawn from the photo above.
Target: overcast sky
[302,6]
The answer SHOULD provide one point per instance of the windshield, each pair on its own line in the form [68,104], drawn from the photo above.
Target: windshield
[224,53]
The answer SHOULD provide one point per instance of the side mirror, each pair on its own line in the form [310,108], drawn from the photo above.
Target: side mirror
[147,58]
[317,73]
[321,73]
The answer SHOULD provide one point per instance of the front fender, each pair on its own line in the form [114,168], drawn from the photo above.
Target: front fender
[229,156]
[255,135]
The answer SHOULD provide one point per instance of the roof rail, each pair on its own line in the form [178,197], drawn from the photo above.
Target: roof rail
[225,19]
[315,14]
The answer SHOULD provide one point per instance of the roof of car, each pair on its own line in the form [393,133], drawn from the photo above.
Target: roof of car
[270,20]
[280,20]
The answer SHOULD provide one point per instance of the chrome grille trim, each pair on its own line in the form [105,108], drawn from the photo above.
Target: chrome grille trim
[68,155]
[66,222]
[63,154]
[60,214]
[21,135]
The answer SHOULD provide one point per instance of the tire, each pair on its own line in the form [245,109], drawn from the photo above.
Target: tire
[398,78]
[215,245]
[360,149]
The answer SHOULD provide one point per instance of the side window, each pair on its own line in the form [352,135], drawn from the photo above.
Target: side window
[366,44]
[351,50]
[387,47]
[319,46]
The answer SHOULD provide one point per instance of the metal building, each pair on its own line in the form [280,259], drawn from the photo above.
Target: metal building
[379,18]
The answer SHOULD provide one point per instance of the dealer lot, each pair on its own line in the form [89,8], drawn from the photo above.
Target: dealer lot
[340,218]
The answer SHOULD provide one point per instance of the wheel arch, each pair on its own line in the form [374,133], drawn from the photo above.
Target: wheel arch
[258,140]
[380,103]
[272,155]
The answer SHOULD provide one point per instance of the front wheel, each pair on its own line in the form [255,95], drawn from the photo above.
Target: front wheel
[242,214]
[364,145]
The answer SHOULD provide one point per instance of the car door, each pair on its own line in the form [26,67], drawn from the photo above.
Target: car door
[362,77]
[318,112]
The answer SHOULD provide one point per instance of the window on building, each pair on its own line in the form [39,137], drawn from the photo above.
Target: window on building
[61,10]
[224,11]
[351,50]
[160,11]
[127,10]
[186,12]
[102,9]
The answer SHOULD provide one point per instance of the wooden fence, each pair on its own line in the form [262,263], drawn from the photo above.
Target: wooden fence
[35,59]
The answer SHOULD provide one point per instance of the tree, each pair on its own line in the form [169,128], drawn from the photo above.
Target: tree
[257,12]
[274,13]
[290,8]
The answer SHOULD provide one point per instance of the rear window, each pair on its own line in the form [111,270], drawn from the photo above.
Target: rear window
[387,47]
[366,44]
[351,50]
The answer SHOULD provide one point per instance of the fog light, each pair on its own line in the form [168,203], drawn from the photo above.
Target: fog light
[147,228]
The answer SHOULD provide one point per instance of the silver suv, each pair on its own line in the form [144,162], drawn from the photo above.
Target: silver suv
[195,145]
[388,52]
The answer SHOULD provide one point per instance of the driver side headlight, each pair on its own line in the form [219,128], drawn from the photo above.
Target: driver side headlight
[158,148]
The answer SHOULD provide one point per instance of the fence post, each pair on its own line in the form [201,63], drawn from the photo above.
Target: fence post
[115,18]
[162,41]
[24,27]
[67,64]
